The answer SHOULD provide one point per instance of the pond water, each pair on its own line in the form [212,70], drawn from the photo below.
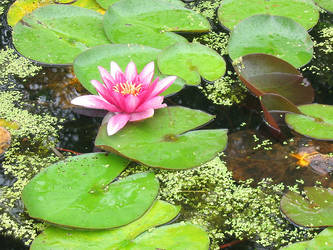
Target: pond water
[53,88]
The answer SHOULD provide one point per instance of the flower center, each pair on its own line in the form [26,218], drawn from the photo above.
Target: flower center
[127,88]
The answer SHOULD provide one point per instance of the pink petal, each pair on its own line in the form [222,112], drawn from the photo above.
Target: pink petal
[106,77]
[130,103]
[152,103]
[94,102]
[103,91]
[162,85]
[141,115]
[115,69]
[147,73]
[116,123]
[131,72]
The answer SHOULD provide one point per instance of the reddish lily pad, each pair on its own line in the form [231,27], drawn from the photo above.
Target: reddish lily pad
[190,61]
[22,7]
[161,212]
[305,12]
[262,73]
[151,22]
[278,36]
[56,34]
[78,192]
[163,141]
[313,211]
[85,65]
[315,122]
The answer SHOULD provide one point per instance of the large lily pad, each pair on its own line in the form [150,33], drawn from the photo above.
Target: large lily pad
[278,36]
[22,7]
[78,192]
[162,141]
[176,236]
[262,73]
[190,60]
[325,4]
[105,4]
[56,34]
[150,22]
[314,211]
[316,121]
[324,240]
[85,65]
[54,238]
[305,12]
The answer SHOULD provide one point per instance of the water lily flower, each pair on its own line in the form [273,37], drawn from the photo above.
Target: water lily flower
[129,96]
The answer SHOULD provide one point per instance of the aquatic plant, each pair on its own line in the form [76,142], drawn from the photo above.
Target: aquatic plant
[127,96]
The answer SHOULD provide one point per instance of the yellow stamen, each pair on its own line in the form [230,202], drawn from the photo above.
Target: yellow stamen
[127,88]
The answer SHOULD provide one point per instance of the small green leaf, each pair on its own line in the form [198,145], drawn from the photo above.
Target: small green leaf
[315,122]
[85,65]
[55,238]
[305,12]
[163,141]
[78,192]
[190,60]
[56,34]
[278,36]
[314,211]
[151,22]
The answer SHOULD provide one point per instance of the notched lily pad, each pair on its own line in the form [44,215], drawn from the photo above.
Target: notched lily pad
[161,212]
[305,12]
[151,22]
[56,34]
[190,60]
[278,36]
[85,65]
[314,211]
[78,193]
[315,122]
[163,141]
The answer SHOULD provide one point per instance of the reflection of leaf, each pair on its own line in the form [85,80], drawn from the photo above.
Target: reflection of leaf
[190,61]
[316,121]
[22,7]
[60,32]
[313,211]
[278,36]
[85,65]
[164,141]
[231,12]
[150,22]
[79,194]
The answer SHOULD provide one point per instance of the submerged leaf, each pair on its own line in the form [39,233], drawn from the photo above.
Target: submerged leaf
[78,193]
[164,141]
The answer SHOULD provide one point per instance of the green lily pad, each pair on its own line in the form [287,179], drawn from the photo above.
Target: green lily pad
[278,36]
[22,7]
[314,211]
[325,4]
[54,238]
[176,237]
[162,141]
[150,22]
[78,192]
[85,65]
[56,34]
[316,121]
[324,240]
[190,60]
[305,12]
[105,4]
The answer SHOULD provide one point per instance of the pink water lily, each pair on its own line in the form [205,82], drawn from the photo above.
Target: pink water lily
[128,96]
